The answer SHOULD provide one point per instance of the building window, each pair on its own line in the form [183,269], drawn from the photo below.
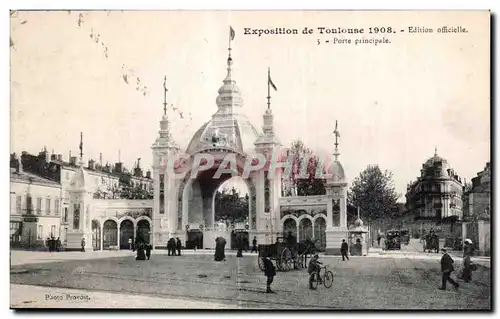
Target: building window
[267,194]
[18,204]
[38,205]
[40,232]
[52,230]
[47,206]
[162,192]
[65,219]
[76,216]
[56,208]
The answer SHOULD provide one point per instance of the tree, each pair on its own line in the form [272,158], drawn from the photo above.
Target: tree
[310,185]
[374,193]
[230,207]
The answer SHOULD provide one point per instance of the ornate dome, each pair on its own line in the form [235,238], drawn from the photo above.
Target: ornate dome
[437,162]
[225,130]
[335,172]
[358,222]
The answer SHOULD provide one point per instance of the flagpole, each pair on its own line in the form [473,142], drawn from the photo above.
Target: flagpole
[229,44]
[268,88]
[165,95]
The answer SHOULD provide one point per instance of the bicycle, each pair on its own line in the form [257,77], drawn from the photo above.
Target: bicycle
[325,275]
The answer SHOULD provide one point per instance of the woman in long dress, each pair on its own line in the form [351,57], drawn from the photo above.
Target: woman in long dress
[220,244]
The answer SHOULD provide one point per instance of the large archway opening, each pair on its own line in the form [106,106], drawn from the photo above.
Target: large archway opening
[214,204]
[143,231]
[110,234]
[126,234]
[289,226]
[96,235]
[305,229]
[320,233]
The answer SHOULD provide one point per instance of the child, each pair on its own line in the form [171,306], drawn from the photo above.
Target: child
[314,268]
[269,272]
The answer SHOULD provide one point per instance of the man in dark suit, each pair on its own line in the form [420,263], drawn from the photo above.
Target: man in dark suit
[269,272]
[254,244]
[344,248]
[446,269]
[178,245]
[148,247]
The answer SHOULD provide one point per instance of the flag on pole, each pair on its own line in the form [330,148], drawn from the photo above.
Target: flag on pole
[271,82]
[336,132]
[231,33]
[81,143]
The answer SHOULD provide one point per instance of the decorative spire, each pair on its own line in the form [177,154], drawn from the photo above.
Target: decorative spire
[229,94]
[337,135]
[81,148]
[165,90]
[269,85]
[229,58]
[435,151]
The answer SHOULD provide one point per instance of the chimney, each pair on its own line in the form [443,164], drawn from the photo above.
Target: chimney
[137,172]
[72,160]
[118,168]
[59,157]
[19,166]
[91,164]
[148,174]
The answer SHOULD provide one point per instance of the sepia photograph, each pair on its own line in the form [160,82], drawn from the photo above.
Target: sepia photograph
[250,160]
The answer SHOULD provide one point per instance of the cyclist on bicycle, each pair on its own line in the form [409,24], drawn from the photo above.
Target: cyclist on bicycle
[314,268]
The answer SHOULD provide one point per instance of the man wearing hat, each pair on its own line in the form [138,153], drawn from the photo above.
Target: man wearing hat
[446,269]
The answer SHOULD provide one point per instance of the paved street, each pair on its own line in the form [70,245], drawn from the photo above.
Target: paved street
[196,281]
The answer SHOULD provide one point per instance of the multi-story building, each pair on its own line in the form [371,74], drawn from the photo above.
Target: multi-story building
[48,178]
[36,200]
[477,210]
[435,198]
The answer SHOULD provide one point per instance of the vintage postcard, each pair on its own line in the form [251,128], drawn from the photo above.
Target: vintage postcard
[334,160]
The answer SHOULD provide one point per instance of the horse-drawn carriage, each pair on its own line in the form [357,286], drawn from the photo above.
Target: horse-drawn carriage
[392,239]
[285,255]
[431,242]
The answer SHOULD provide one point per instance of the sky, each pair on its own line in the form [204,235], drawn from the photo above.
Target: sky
[394,102]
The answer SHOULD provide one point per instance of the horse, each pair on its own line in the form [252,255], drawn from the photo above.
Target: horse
[303,248]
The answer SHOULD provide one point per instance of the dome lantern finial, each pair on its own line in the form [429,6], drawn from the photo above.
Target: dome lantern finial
[435,151]
[337,136]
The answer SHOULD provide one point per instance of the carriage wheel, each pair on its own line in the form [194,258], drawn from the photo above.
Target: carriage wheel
[261,263]
[314,280]
[286,259]
[328,279]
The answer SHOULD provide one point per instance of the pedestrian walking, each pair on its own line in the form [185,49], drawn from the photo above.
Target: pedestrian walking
[140,252]
[83,245]
[58,244]
[254,244]
[178,246]
[344,249]
[148,248]
[171,247]
[130,243]
[447,269]
[269,272]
